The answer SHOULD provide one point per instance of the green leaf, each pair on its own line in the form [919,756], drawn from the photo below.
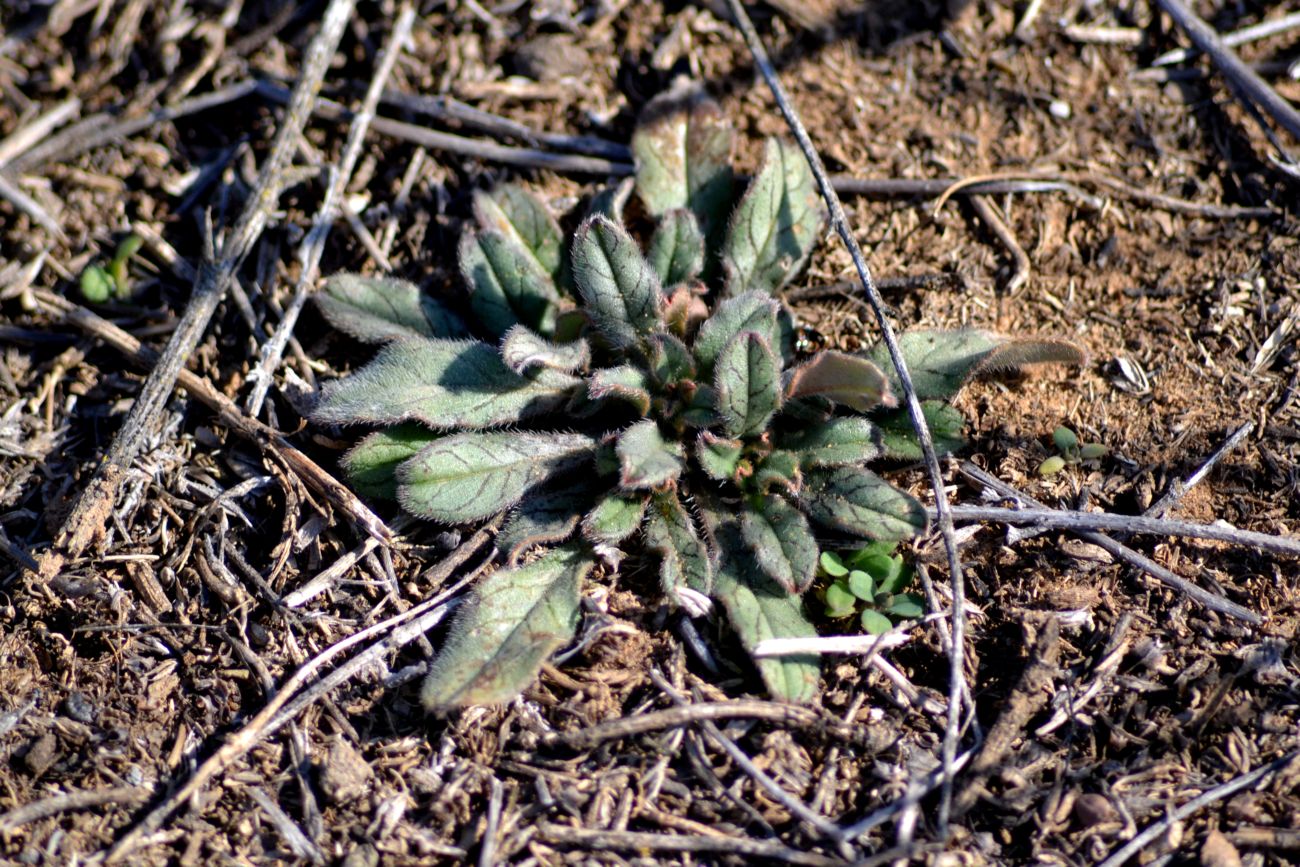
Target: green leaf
[718,457]
[840,601]
[611,201]
[475,475]
[379,309]
[513,621]
[779,469]
[523,350]
[684,558]
[624,382]
[1051,466]
[835,443]
[670,360]
[758,610]
[749,311]
[682,150]
[876,623]
[832,565]
[909,606]
[645,459]
[443,383]
[1065,440]
[862,585]
[881,567]
[898,579]
[781,542]
[518,214]
[940,362]
[857,501]
[547,515]
[776,224]
[508,287]
[97,284]
[677,248]
[748,382]
[1092,451]
[372,464]
[845,379]
[620,289]
[614,518]
[899,439]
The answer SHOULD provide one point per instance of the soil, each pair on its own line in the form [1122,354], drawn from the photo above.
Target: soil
[125,667]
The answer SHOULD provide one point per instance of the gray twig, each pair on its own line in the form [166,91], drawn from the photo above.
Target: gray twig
[1262,30]
[640,841]
[487,852]
[128,796]
[1179,488]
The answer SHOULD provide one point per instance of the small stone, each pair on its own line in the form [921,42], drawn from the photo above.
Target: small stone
[1059,109]
[1092,809]
[1218,851]
[344,773]
[78,707]
[550,58]
[43,752]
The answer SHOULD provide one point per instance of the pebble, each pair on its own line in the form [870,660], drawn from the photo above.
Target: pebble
[78,707]
[1059,109]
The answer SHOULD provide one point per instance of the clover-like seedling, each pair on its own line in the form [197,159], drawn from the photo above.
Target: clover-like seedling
[99,282]
[1069,451]
[871,583]
[617,394]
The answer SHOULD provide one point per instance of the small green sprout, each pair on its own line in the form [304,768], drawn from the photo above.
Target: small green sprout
[1070,450]
[870,582]
[99,283]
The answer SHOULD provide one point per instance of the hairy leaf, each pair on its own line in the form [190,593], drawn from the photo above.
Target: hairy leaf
[748,381]
[775,225]
[624,382]
[443,383]
[645,459]
[475,475]
[940,362]
[835,443]
[750,311]
[684,558]
[899,439]
[620,289]
[780,469]
[846,379]
[718,457]
[379,309]
[512,622]
[758,610]
[857,501]
[547,515]
[508,287]
[682,149]
[614,518]
[522,350]
[677,248]
[781,541]
[518,214]
[372,464]
[611,201]
[670,360]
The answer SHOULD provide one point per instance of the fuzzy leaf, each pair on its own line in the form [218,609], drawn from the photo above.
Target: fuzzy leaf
[645,459]
[518,214]
[372,464]
[759,609]
[684,558]
[508,287]
[624,382]
[443,383]
[750,311]
[718,457]
[677,248]
[940,362]
[846,379]
[682,150]
[512,622]
[670,360]
[748,381]
[545,516]
[475,475]
[780,469]
[522,350]
[835,443]
[620,289]
[775,225]
[379,309]
[614,518]
[900,442]
[781,541]
[857,501]
[611,201]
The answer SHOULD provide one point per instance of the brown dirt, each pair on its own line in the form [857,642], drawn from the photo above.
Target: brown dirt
[123,670]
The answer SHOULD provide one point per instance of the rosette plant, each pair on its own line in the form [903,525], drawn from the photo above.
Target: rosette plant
[634,400]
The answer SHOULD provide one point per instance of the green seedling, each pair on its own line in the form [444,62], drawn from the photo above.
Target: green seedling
[871,583]
[99,283]
[1069,451]
[614,395]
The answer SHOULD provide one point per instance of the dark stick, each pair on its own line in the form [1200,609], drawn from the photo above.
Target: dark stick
[1179,488]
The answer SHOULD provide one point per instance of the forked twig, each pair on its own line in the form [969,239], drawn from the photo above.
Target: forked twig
[943,518]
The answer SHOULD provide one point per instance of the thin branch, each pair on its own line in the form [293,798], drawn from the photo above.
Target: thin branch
[1021,268]
[640,841]
[1262,30]
[36,130]
[86,521]
[91,799]
[1179,488]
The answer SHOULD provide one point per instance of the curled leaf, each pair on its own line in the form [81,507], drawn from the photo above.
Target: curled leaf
[522,350]
[845,379]
[514,620]
[624,382]
[517,213]
[620,290]
[507,285]
[646,459]
[750,311]
[718,457]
